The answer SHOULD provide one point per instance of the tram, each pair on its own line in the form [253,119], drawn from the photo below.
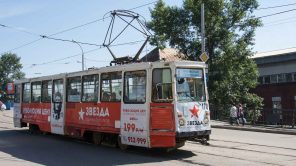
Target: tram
[148,104]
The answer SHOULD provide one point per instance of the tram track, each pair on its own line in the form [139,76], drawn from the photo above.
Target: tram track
[253,160]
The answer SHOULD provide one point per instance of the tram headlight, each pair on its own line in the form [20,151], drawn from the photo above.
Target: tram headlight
[182,120]
[207,117]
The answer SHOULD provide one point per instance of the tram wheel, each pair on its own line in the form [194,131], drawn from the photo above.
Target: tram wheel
[204,141]
[97,138]
[33,129]
[120,145]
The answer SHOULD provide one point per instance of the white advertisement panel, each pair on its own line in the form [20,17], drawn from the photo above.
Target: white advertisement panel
[192,117]
[134,125]
[17,115]
[57,118]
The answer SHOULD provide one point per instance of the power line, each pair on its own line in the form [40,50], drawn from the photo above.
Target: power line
[72,41]
[47,37]
[143,5]
[72,28]
[280,22]
[272,7]
[18,29]
[93,60]
[286,11]
[89,51]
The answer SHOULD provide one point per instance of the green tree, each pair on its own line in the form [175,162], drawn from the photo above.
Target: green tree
[230,27]
[10,68]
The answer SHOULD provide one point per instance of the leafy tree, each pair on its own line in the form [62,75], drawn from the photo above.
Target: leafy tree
[230,27]
[10,68]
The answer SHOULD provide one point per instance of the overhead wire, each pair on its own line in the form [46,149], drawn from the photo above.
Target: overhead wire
[280,20]
[79,54]
[286,11]
[97,20]
[72,28]
[278,6]
[19,29]
[73,41]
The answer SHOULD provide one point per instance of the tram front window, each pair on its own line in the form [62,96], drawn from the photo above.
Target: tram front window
[190,85]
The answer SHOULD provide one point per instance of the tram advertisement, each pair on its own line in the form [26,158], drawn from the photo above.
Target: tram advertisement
[192,116]
[134,125]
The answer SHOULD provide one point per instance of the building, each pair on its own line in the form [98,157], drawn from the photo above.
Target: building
[277,85]
[167,54]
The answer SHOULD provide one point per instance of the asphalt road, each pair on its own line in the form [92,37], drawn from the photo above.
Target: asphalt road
[227,147]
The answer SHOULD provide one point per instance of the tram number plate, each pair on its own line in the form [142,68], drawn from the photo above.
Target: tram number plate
[137,140]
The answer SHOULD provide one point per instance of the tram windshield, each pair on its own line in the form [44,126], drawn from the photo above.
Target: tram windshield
[190,85]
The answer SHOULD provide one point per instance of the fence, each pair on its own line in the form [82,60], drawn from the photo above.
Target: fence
[275,117]
[279,117]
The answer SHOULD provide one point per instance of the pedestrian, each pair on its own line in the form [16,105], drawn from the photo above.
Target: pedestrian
[233,115]
[241,114]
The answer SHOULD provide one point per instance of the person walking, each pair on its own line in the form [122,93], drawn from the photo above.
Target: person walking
[241,114]
[233,115]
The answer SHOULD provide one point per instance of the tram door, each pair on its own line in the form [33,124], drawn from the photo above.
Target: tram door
[57,107]
[134,111]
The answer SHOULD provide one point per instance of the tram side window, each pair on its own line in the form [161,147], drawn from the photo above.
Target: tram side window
[162,85]
[46,91]
[111,86]
[90,88]
[36,92]
[58,90]
[74,89]
[135,87]
[26,92]
[17,94]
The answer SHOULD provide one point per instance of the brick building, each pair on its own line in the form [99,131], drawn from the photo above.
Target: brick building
[277,85]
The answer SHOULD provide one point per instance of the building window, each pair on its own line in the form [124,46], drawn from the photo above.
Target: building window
[46,91]
[111,86]
[289,77]
[295,101]
[294,77]
[36,92]
[135,87]
[281,78]
[26,92]
[90,88]
[260,80]
[74,89]
[273,78]
[276,103]
[266,79]
[162,85]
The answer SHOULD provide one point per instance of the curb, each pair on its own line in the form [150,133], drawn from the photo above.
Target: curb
[256,129]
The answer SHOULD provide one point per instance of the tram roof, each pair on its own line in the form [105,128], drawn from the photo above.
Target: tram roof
[125,67]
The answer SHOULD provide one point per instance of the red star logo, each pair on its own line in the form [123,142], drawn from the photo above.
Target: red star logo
[194,111]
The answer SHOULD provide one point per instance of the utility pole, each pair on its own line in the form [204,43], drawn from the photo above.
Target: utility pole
[204,57]
[82,54]
[203,48]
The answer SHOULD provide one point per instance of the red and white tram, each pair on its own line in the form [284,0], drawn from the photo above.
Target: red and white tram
[149,104]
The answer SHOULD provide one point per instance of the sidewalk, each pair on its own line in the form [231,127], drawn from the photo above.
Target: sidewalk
[6,120]
[247,127]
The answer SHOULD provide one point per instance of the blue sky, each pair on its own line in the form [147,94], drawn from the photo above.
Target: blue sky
[47,17]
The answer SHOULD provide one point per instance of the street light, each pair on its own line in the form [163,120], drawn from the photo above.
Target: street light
[82,54]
